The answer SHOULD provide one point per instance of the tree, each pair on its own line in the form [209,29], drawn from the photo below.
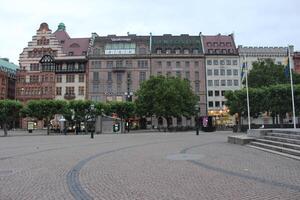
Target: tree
[165,97]
[9,111]
[45,110]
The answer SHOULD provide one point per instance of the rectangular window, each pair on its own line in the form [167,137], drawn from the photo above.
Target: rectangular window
[119,77]
[197,77]
[159,64]
[34,79]
[209,62]
[223,93]
[142,77]
[81,90]
[209,72]
[217,93]
[178,74]
[95,88]
[70,78]
[169,64]
[210,93]
[128,63]
[216,72]
[119,88]
[217,103]
[109,76]
[235,72]
[236,82]
[222,72]
[159,73]
[223,82]
[197,87]
[196,63]
[178,64]
[109,64]
[142,63]
[216,62]
[95,76]
[70,91]
[81,78]
[228,62]
[234,62]
[169,74]
[229,82]
[119,63]
[210,104]
[187,64]
[58,79]
[210,83]
[216,82]
[58,90]
[109,88]
[34,67]
[222,62]
[229,72]
[187,75]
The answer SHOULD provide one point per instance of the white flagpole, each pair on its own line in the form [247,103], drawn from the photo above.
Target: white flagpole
[292,88]
[248,106]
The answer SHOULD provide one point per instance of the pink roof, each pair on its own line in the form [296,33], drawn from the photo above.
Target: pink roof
[75,45]
[219,42]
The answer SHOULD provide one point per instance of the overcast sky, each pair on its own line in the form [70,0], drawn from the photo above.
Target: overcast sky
[253,22]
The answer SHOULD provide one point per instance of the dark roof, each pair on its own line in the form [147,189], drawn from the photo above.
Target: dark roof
[127,38]
[184,41]
[219,45]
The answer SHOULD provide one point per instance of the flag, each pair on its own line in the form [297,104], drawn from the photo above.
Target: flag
[287,69]
[243,71]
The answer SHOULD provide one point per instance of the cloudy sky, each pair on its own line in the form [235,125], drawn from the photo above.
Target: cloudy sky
[253,22]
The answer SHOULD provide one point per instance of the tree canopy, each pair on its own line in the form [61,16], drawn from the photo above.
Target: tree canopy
[9,111]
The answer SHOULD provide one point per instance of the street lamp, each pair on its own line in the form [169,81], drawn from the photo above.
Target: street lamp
[197,119]
[92,119]
[128,96]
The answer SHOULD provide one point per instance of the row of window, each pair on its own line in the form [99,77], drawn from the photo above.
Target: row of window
[34,91]
[179,74]
[216,93]
[177,51]
[221,72]
[222,62]
[223,82]
[69,67]
[70,91]
[70,78]
[119,64]
[221,51]
[219,44]
[178,64]
[216,104]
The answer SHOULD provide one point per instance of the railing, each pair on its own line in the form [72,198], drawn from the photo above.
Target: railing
[69,96]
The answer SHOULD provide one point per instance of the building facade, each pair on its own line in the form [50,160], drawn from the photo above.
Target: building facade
[7,79]
[222,71]
[250,55]
[296,61]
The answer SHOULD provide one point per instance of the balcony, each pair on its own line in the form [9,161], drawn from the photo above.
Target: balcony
[119,69]
[69,96]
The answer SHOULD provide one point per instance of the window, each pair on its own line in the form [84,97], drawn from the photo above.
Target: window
[222,44]
[142,50]
[217,93]
[159,73]
[222,72]
[216,82]
[217,103]
[142,76]
[186,51]
[70,78]
[223,93]
[34,67]
[209,72]
[222,62]
[95,88]
[178,74]
[109,64]
[209,44]
[109,77]
[229,72]
[158,51]
[234,62]
[216,62]
[177,51]
[210,83]
[187,64]
[223,103]
[81,78]
[159,63]
[235,72]
[178,64]
[168,63]
[197,87]
[71,53]
[223,82]
[228,62]
[229,82]
[81,90]
[119,63]
[128,63]
[210,93]
[210,104]
[34,78]
[58,90]
[95,76]
[195,51]
[142,63]
[58,79]
[119,88]
[83,53]
[209,62]
[196,63]
[197,77]
[70,91]
[236,82]
[109,88]
[215,44]
[228,44]
[216,72]
[169,74]
[119,77]
[168,51]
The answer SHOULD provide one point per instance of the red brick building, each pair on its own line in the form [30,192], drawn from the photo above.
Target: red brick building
[7,79]
[296,59]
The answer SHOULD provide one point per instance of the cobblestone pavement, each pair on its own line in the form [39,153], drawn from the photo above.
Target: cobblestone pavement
[143,166]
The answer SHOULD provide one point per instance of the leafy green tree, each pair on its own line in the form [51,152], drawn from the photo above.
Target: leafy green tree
[165,97]
[9,111]
[45,110]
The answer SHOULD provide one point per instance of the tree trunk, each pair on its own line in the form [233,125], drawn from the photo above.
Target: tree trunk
[5,129]
[85,127]
[239,127]
[281,120]
[48,127]
[168,123]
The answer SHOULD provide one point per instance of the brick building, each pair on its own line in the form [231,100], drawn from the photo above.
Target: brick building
[7,79]
[296,61]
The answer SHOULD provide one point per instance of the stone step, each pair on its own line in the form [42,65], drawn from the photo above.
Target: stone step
[295,132]
[276,148]
[279,144]
[275,152]
[281,139]
[283,135]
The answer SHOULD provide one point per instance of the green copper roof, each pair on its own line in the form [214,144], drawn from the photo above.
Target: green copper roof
[61,27]
[7,66]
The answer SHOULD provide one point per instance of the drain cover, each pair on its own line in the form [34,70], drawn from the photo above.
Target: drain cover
[184,156]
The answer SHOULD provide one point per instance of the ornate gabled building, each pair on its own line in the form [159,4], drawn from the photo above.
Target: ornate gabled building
[7,79]
[222,70]
[296,61]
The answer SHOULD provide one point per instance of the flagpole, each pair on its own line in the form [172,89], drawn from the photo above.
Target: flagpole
[292,88]
[248,106]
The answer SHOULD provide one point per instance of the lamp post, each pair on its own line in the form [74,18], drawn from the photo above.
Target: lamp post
[92,119]
[129,96]
[197,119]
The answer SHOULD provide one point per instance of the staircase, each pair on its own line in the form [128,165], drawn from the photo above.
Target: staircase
[282,142]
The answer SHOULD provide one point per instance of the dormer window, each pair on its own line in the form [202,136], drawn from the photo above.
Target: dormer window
[177,51]
[84,53]
[195,51]
[158,51]
[71,53]
[186,51]
[62,42]
[168,51]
